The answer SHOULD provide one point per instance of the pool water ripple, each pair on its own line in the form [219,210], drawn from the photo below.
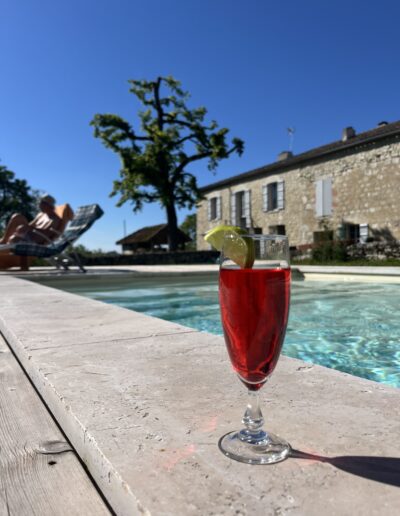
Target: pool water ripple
[353,327]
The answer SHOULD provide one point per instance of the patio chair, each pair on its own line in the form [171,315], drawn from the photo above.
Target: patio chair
[56,251]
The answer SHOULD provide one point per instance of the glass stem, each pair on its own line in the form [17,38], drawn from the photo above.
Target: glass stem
[253,418]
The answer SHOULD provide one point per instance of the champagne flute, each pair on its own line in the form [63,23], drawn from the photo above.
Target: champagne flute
[254,301]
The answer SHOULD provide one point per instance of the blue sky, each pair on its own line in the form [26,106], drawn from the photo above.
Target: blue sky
[258,66]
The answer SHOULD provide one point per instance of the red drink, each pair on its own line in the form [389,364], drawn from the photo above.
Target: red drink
[254,311]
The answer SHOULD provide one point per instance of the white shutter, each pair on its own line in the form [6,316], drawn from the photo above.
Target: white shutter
[265,197]
[247,208]
[219,213]
[363,233]
[209,209]
[323,203]
[318,198]
[281,195]
[327,196]
[233,209]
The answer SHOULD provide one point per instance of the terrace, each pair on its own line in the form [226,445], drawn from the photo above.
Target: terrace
[122,412]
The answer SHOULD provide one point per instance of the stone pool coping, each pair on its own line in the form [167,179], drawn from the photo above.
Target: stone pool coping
[309,271]
[347,273]
[144,402]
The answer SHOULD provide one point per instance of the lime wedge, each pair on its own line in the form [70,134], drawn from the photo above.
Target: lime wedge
[215,236]
[239,249]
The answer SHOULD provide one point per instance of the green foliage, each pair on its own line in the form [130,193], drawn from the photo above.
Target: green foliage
[188,226]
[155,160]
[329,251]
[86,253]
[15,197]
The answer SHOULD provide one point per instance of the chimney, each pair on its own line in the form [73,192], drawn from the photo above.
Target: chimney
[284,155]
[347,133]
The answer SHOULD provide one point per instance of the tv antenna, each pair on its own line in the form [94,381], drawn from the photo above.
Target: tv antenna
[291,131]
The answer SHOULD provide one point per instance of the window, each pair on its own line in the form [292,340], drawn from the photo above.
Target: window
[214,208]
[349,232]
[277,230]
[353,232]
[323,197]
[241,209]
[272,192]
[274,196]
[240,218]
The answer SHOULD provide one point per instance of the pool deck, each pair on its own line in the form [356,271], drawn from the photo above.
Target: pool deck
[143,403]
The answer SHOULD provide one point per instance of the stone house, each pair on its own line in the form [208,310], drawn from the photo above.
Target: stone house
[345,190]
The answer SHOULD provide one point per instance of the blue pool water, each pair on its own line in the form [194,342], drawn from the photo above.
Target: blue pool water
[350,326]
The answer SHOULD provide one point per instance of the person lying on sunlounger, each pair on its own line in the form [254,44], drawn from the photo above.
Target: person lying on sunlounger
[44,228]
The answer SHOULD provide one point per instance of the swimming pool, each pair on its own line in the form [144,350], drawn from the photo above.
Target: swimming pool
[350,326]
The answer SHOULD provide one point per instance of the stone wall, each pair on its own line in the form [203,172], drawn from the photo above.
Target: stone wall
[365,190]
[374,251]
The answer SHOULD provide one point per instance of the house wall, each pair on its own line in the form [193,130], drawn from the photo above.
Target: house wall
[365,190]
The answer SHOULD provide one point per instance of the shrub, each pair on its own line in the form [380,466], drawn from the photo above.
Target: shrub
[330,251]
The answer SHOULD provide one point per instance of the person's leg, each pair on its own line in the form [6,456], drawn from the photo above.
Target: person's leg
[22,232]
[15,222]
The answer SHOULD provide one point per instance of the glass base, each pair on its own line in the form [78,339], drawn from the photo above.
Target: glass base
[254,448]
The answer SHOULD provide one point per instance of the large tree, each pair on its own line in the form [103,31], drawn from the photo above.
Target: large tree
[188,226]
[15,197]
[155,159]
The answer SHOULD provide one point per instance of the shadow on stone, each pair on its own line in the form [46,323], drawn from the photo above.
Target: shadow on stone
[380,469]
[297,274]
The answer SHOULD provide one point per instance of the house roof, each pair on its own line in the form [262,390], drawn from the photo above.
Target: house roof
[382,132]
[145,235]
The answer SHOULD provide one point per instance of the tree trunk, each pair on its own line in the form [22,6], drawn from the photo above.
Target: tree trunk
[172,228]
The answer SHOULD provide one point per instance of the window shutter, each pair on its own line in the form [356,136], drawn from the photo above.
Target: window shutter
[363,233]
[233,209]
[219,212]
[323,198]
[327,196]
[247,208]
[265,197]
[318,198]
[209,209]
[281,195]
